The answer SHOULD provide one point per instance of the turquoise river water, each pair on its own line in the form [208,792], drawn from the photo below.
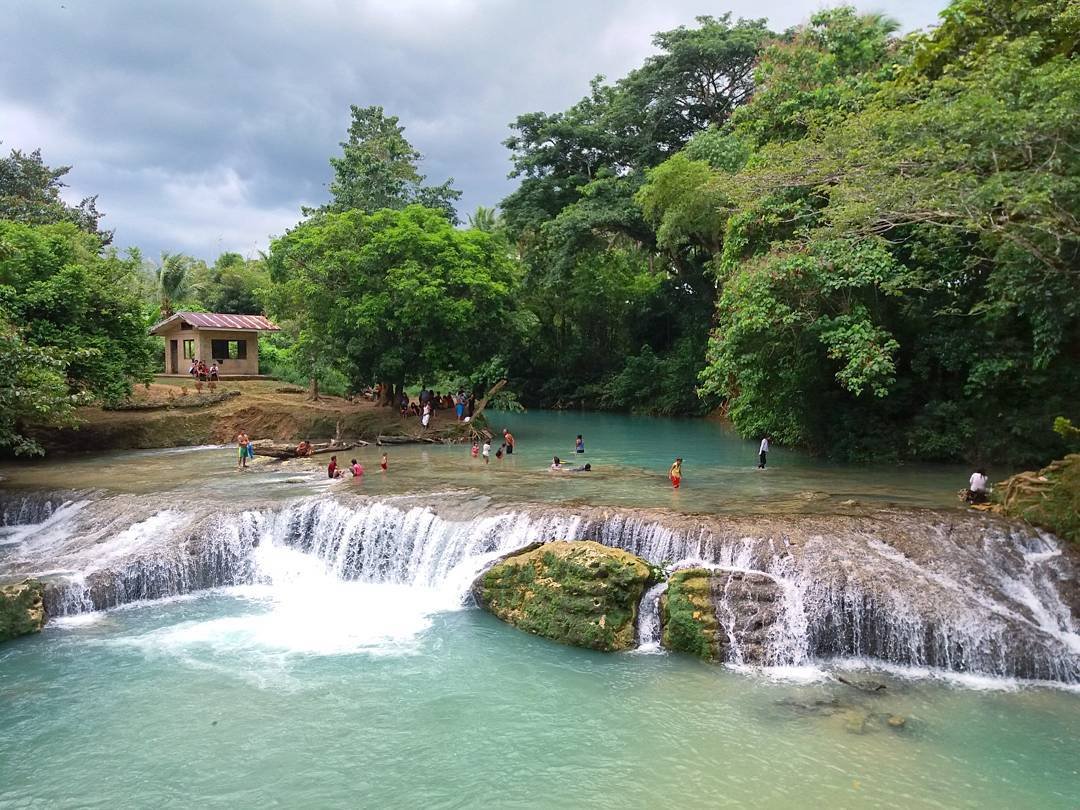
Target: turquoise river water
[307,690]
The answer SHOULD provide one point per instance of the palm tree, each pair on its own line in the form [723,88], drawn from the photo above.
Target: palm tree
[484,219]
[172,281]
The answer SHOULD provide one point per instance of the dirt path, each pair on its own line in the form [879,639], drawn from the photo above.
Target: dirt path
[266,409]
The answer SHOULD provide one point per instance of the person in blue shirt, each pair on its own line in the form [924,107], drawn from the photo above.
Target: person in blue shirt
[579,444]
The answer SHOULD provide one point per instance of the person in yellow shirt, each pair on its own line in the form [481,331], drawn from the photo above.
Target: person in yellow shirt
[675,473]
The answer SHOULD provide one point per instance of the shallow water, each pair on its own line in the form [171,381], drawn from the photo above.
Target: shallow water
[383,697]
[630,456]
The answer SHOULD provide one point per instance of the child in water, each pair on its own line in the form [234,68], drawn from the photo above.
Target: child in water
[579,444]
[675,473]
[486,452]
[357,469]
[384,463]
[475,449]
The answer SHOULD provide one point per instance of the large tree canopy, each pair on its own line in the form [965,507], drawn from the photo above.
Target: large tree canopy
[72,319]
[900,246]
[597,275]
[395,296]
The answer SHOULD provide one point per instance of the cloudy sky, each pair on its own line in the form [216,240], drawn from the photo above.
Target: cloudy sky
[204,125]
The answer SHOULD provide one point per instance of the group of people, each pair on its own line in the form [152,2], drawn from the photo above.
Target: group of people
[334,470]
[200,372]
[506,448]
[463,405]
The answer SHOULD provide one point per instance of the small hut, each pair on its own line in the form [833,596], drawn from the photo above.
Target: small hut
[232,341]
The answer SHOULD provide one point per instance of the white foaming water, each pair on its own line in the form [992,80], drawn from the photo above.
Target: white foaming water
[648,621]
[21,532]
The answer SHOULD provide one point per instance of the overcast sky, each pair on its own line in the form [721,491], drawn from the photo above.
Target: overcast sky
[204,125]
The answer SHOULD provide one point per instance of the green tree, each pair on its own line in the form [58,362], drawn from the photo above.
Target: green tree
[899,250]
[484,219]
[395,296]
[30,193]
[33,390]
[173,277]
[231,284]
[76,305]
[579,225]
[378,169]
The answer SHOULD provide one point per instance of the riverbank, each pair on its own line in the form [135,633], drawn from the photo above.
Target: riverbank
[170,413]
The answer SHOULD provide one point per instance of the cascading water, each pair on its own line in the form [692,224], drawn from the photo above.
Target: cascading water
[648,620]
[913,588]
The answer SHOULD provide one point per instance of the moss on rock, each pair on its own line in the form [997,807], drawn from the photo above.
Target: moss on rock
[1049,498]
[580,593]
[22,609]
[688,616]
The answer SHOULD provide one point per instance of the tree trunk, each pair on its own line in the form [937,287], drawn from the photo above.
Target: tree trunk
[384,395]
[314,394]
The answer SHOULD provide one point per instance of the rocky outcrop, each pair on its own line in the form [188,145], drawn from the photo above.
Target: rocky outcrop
[578,593]
[722,616]
[1049,498]
[22,609]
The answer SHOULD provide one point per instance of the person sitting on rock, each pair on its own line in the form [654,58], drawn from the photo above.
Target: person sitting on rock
[304,448]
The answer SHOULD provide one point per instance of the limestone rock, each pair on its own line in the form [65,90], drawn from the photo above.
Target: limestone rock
[1049,498]
[579,593]
[22,609]
[721,616]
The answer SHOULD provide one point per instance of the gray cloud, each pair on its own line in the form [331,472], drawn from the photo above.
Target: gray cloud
[204,126]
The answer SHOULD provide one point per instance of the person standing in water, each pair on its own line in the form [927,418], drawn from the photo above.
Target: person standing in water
[242,442]
[486,452]
[384,462]
[675,473]
[508,439]
[763,451]
[579,444]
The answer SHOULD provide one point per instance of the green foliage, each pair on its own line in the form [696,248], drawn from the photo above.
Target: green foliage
[30,193]
[689,618]
[615,276]
[72,325]
[33,390]
[232,284]
[378,169]
[394,296]
[899,252]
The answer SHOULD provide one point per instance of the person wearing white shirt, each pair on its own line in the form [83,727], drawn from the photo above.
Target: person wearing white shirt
[763,452]
[977,487]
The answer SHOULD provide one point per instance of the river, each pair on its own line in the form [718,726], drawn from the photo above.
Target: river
[278,639]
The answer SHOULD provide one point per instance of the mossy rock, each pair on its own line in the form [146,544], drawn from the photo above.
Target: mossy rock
[579,593]
[720,615]
[1049,498]
[22,609]
[688,616]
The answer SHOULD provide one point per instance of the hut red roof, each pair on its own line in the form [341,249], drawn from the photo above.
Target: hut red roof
[219,320]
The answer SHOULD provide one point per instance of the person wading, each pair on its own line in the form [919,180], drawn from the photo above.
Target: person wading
[242,442]
[675,473]
[763,451]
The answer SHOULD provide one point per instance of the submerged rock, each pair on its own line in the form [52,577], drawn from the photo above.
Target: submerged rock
[719,615]
[22,609]
[579,593]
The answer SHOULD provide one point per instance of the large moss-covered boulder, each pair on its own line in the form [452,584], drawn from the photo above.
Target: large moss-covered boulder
[1049,498]
[719,615]
[579,593]
[22,609]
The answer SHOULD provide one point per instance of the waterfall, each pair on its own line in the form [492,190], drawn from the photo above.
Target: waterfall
[648,620]
[963,593]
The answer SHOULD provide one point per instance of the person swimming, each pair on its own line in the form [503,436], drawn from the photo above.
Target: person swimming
[582,468]
[556,463]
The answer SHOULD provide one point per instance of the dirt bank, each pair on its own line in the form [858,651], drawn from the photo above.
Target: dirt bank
[174,415]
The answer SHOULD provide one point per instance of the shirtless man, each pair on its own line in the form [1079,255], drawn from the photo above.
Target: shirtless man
[508,438]
[242,442]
